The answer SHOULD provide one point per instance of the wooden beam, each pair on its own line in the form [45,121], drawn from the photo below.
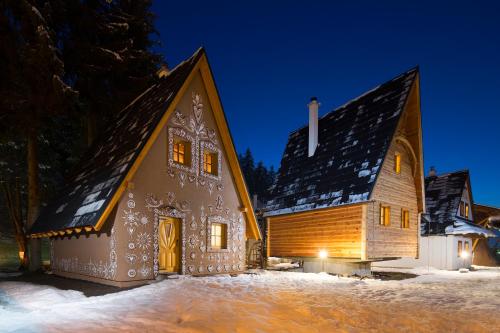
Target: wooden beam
[364,232]
[408,146]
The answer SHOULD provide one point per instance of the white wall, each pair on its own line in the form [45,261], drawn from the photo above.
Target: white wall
[440,252]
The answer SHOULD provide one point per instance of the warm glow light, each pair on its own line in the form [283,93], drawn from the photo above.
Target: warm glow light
[21,255]
[323,254]
[464,254]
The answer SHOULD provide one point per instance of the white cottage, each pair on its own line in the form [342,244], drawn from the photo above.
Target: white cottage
[448,230]
[161,191]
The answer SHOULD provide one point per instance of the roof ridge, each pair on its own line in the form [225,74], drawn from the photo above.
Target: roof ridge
[193,56]
[488,206]
[346,104]
[408,72]
[449,173]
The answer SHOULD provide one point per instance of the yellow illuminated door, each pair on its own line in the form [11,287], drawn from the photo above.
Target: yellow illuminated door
[169,245]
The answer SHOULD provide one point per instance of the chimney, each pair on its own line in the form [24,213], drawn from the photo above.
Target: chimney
[313,125]
[163,71]
[432,172]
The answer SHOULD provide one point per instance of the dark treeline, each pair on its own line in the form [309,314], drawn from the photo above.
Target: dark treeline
[258,178]
[66,66]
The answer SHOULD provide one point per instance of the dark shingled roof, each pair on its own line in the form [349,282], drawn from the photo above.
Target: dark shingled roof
[353,141]
[87,194]
[442,198]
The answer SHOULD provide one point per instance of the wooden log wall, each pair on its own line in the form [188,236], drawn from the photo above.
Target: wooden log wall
[397,191]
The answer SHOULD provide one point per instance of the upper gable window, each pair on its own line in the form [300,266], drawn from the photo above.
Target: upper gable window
[464,209]
[397,163]
[210,161]
[385,215]
[181,151]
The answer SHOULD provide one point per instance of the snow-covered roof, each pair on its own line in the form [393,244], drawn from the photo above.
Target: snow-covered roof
[107,162]
[443,194]
[442,198]
[461,227]
[353,141]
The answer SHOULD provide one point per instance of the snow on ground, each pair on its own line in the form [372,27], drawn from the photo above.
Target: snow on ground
[437,301]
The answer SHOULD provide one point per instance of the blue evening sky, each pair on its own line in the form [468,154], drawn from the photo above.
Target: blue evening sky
[270,57]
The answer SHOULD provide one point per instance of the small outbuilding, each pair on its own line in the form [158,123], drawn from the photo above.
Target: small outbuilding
[448,230]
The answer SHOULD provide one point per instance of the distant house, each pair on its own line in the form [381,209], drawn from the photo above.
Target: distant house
[448,230]
[160,192]
[349,190]
[487,250]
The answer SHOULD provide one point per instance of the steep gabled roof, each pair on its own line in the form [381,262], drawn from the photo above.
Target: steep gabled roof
[442,198]
[443,194]
[89,196]
[353,142]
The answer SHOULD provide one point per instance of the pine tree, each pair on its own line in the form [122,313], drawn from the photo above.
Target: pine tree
[258,178]
[31,91]
[108,57]
[247,167]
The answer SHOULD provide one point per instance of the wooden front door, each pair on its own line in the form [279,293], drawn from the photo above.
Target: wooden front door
[170,248]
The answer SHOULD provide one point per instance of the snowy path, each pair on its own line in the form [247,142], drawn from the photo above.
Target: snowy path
[270,302]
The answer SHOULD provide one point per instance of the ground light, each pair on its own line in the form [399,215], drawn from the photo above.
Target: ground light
[323,255]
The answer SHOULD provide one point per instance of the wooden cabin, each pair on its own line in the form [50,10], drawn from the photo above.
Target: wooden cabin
[350,187]
[448,231]
[487,250]
[161,191]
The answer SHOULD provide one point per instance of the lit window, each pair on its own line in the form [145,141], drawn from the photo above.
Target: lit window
[181,152]
[218,239]
[405,218]
[464,209]
[385,215]
[459,248]
[466,247]
[210,162]
[397,163]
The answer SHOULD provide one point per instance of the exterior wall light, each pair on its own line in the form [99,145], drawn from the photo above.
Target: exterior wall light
[21,255]
[323,254]
[464,254]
